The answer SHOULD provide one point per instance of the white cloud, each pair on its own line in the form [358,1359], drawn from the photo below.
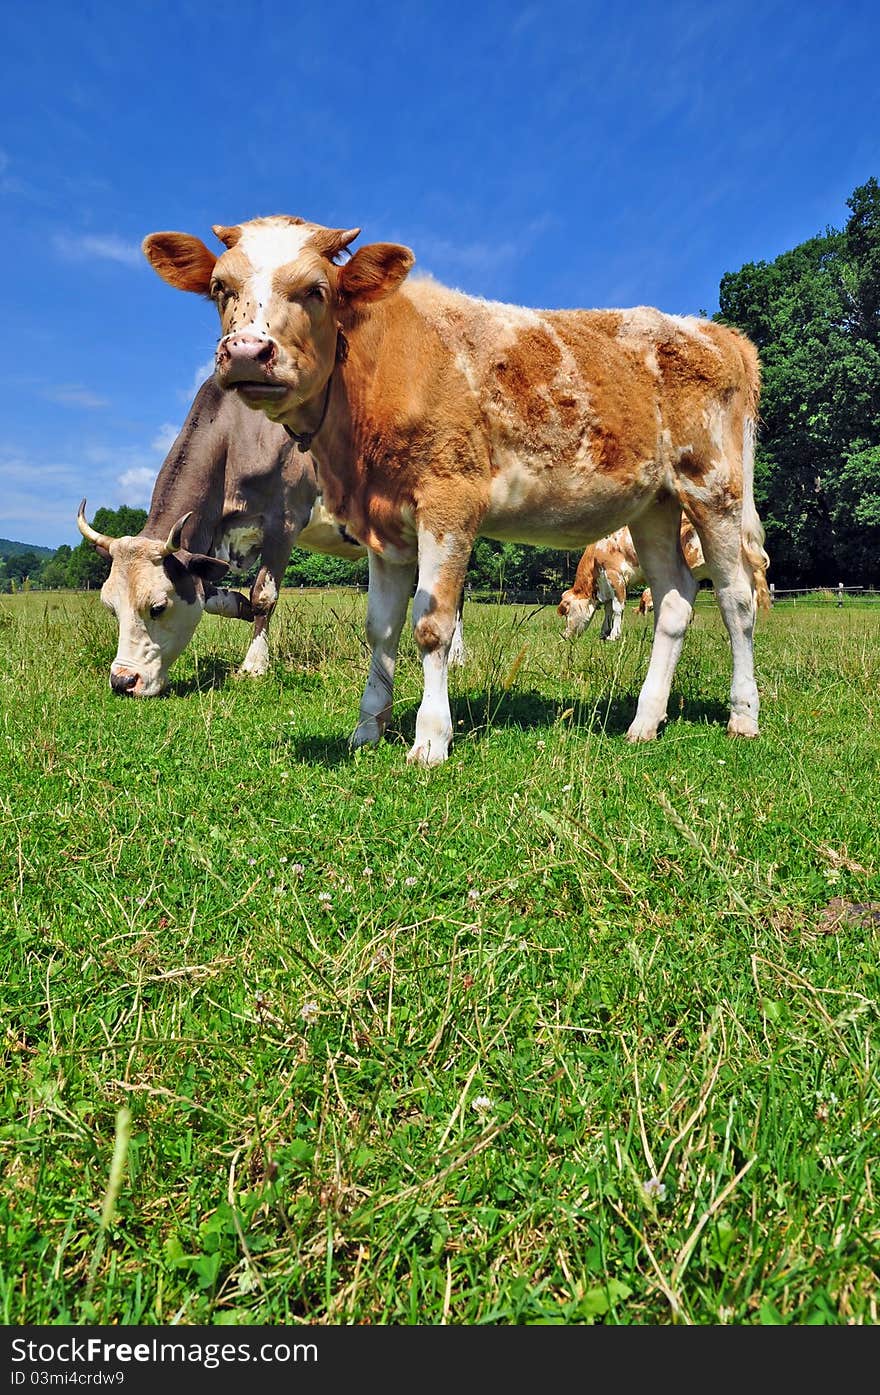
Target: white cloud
[74,395]
[165,437]
[106,247]
[137,486]
[204,370]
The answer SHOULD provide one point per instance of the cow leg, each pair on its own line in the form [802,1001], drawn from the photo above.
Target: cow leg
[442,568]
[457,651]
[387,600]
[614,606]
[608,622]
[264,597]
[734,586]
[656,539]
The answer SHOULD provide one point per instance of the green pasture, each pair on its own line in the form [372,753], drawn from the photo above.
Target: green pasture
[563,1031]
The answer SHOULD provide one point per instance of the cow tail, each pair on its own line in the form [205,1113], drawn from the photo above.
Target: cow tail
[752,529]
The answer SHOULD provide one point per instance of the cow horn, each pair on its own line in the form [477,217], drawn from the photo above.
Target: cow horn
[228,236]
[331,241]
[89,533]
[172,542]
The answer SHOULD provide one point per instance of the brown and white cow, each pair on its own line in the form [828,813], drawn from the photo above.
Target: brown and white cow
[436,418]
[607,570]
[232,489]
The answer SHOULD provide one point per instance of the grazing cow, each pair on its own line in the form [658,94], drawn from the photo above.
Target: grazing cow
[436,418]
[231,489]
[605,572]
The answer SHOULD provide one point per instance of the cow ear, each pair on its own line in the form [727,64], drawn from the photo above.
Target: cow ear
[181,260]
[208,568]
[374,272]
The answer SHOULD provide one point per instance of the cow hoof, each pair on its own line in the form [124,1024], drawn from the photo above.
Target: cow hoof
[432,754]
[741,724]
[368,732]
[641,731]
[253,671]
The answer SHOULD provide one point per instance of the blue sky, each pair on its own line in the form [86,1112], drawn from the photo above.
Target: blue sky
[551,154]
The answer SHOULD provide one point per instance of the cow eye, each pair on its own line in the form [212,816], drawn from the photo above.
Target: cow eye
[315,292]
[156,610]
[221,293]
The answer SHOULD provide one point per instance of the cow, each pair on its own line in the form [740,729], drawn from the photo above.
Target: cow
[437,417]
[606,571]
[232,489]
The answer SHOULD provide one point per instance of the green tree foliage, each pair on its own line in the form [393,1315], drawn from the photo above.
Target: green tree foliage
[504,566]
[86,568]
[319,569]
[23,564]
[814,314]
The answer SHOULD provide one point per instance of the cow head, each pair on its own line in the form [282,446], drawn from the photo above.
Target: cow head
[157,591]
[578,610]
[282,301]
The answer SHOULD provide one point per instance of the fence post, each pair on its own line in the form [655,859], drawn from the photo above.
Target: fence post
[772,592]
[840,593]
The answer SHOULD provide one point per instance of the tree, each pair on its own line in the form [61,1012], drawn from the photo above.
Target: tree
[813,314]
[22,564]
[87,569]
[863,255]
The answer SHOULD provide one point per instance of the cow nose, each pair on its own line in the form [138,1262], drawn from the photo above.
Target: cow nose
[123,682]
[246,347]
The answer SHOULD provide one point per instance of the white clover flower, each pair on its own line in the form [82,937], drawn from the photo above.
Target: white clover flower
[482,1104]
[308,1012]
[324,897]
[654,1188]
[367,872]
[410,881]
[297,869]
[473,894]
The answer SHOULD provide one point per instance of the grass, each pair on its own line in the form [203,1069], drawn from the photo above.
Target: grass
[294,1036]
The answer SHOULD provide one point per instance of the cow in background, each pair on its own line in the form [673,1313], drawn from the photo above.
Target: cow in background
[607,570]
[232,490]
[436,418]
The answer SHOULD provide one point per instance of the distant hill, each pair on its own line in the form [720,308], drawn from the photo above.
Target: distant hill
[10,549]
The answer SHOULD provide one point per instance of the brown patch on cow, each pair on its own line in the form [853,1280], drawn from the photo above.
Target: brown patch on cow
[524,377]
[691,467]
[606,321]
[428,634]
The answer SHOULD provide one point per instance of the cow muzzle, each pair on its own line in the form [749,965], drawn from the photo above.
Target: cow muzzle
[122,680]
[245,362]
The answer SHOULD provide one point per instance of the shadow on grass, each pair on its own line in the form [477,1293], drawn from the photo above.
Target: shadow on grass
[321,750]
[212,673]
[526,711]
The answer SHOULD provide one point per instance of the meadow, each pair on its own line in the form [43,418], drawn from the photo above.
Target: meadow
[564,1031]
